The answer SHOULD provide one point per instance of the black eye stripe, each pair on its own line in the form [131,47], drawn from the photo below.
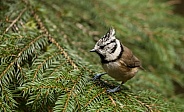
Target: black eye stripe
[112,41]
[114,48]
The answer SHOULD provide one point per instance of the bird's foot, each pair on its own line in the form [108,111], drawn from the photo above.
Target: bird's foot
[98,76]
[116,89]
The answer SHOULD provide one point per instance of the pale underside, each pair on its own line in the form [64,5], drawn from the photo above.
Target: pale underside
[119,72]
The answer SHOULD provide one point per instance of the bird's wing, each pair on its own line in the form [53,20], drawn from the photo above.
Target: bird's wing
[129,59]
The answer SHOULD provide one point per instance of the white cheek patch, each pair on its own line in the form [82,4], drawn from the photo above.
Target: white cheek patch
[110,47]
[115,55]
[118,49]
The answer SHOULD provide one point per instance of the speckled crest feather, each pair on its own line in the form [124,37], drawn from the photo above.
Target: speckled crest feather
[108,36]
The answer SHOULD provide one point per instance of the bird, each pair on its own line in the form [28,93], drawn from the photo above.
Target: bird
[117,60]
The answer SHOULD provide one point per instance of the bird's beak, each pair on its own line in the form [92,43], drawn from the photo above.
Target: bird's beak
[93,50]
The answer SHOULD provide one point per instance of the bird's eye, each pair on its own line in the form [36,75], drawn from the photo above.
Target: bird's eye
[114,40]
[101,47]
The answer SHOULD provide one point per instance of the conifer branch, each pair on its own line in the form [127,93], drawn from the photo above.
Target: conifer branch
[19,59]
[113,102]
[64,53]
[37,18]
[70,94]
[15,20]
[94,98]
[102,108]
[41,64]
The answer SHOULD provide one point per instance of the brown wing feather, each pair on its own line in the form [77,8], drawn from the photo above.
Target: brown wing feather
[129,59]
